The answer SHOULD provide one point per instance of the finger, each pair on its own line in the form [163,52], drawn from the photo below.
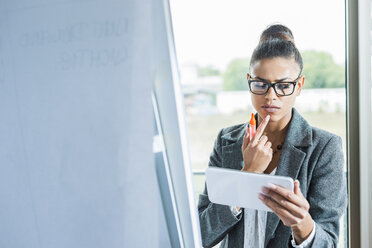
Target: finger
[281,212]
[286,193]
[262,141]
[268,148]
[295,210]
[297,189]
[261,129]
[268,145]
[270,151]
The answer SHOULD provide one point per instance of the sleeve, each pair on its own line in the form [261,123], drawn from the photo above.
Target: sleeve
[327,194]
[215,220]
[307,242]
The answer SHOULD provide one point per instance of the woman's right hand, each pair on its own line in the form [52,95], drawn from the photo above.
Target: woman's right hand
[257,152]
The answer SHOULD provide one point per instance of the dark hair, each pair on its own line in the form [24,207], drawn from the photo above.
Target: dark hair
[276,41]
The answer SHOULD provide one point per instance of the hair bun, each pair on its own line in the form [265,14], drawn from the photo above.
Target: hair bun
[277,31]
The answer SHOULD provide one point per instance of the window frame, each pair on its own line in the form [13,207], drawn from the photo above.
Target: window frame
[359,143]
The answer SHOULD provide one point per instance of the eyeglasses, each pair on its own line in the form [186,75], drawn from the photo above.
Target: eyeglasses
[261,86]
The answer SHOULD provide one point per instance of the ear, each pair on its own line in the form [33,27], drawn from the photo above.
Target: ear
[300,84]
[247,76]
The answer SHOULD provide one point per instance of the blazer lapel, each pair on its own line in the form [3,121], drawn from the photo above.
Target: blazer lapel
[291,159]
[289,165]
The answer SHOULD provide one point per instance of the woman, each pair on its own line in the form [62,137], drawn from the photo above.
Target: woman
[286,145]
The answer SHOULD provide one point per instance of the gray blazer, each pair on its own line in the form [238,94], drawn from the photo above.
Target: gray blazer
[311,155]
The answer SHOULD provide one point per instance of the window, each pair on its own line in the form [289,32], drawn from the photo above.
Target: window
[214,41]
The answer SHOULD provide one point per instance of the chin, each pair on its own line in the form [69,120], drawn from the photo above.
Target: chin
[278,117]
[263,115]
[274,118]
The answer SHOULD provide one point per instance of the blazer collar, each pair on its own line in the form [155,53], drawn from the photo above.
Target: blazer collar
[236,135]
[299,135]
[299,131]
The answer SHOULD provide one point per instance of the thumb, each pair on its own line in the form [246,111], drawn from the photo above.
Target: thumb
[297,189]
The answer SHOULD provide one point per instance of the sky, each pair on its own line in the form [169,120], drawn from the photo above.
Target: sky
[213,32]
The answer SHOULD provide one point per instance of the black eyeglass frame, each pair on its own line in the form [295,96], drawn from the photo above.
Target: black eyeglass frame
[273,85]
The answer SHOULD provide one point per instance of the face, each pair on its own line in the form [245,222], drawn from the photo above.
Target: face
[275,70]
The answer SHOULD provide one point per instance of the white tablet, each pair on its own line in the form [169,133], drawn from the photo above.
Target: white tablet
[239,188]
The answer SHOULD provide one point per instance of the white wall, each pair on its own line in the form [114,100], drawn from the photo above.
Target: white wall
[76,125]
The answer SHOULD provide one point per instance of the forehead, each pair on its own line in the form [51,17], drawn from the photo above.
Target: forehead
[275,68]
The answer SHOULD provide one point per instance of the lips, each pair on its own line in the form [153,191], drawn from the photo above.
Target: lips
[270,108]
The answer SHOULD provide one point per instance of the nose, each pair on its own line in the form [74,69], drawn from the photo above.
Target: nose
[271,94]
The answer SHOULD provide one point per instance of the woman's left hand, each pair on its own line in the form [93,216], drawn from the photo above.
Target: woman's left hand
[291,207]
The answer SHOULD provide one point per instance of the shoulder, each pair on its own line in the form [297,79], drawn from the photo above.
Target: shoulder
[327,146]
[232,133]
[302,134]
[323,136]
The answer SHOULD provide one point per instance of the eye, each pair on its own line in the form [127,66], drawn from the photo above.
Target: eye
[283,86]
[259,84]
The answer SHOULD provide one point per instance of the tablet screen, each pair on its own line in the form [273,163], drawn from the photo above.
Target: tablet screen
[239,188]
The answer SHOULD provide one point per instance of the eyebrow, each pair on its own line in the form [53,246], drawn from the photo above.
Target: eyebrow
[279,80]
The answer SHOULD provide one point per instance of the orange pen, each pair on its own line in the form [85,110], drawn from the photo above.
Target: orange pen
[252,127]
